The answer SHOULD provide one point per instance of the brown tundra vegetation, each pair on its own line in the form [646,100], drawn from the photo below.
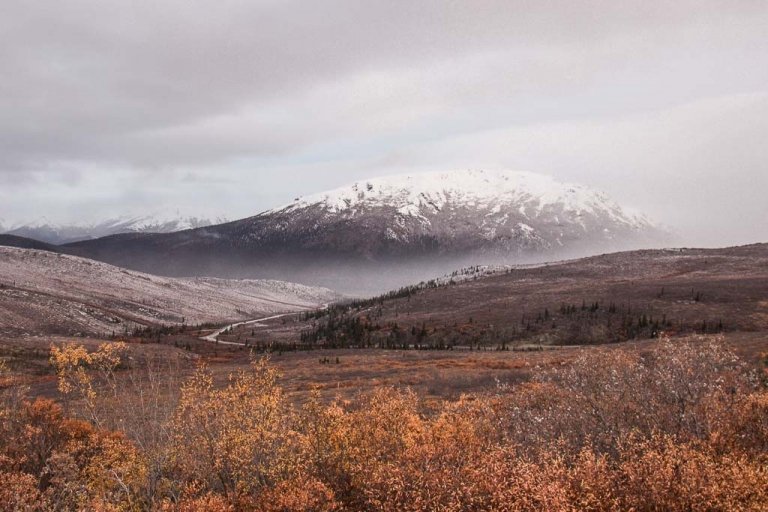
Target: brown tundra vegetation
[680,427]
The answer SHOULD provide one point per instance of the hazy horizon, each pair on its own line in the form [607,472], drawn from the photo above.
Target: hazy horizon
[109,108]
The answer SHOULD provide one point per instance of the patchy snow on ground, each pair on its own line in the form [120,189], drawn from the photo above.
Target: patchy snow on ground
[46,292]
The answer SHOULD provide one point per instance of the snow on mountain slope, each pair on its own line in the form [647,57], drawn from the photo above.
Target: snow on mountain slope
[47,293]
[515,210]
[164,221]
[480,189]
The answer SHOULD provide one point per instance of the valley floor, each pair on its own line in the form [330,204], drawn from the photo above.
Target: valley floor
[666,424]
[435,375]
[605,384]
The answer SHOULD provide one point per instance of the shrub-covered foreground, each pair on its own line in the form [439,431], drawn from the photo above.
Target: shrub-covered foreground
[681,427]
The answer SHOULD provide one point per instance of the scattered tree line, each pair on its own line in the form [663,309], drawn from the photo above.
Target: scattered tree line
[360,325]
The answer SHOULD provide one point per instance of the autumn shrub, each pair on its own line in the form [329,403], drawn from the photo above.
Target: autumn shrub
[342,445]
[68,460]
[209,502]
[606,394]
[18,491]
[430,473]
[677,426]
[233,440]
[741,424]
[662,473]
[303,493]
[136,396]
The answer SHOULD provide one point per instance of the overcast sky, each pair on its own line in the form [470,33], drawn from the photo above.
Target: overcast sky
[234,107]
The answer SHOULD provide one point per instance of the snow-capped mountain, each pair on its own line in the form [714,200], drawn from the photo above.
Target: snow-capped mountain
[506,212]
[167,221]
[393,230]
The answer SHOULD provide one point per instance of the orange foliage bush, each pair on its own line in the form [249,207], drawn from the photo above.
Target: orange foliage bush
[674,476]
[18,491]
[207,503]
[299,493]
[683,427]
[232,440]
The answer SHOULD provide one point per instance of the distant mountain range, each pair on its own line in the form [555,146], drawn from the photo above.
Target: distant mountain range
[169,221]
[383,232]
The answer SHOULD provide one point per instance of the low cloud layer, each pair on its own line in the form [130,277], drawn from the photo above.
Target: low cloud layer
[108,107]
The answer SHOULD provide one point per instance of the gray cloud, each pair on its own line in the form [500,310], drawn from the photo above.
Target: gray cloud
[239,106]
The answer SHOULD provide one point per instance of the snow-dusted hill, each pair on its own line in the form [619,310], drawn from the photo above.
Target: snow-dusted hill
[164,221]
[47,293]
[389,231]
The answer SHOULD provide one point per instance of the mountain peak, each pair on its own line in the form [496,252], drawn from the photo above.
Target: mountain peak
[532,195]
[385,232]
